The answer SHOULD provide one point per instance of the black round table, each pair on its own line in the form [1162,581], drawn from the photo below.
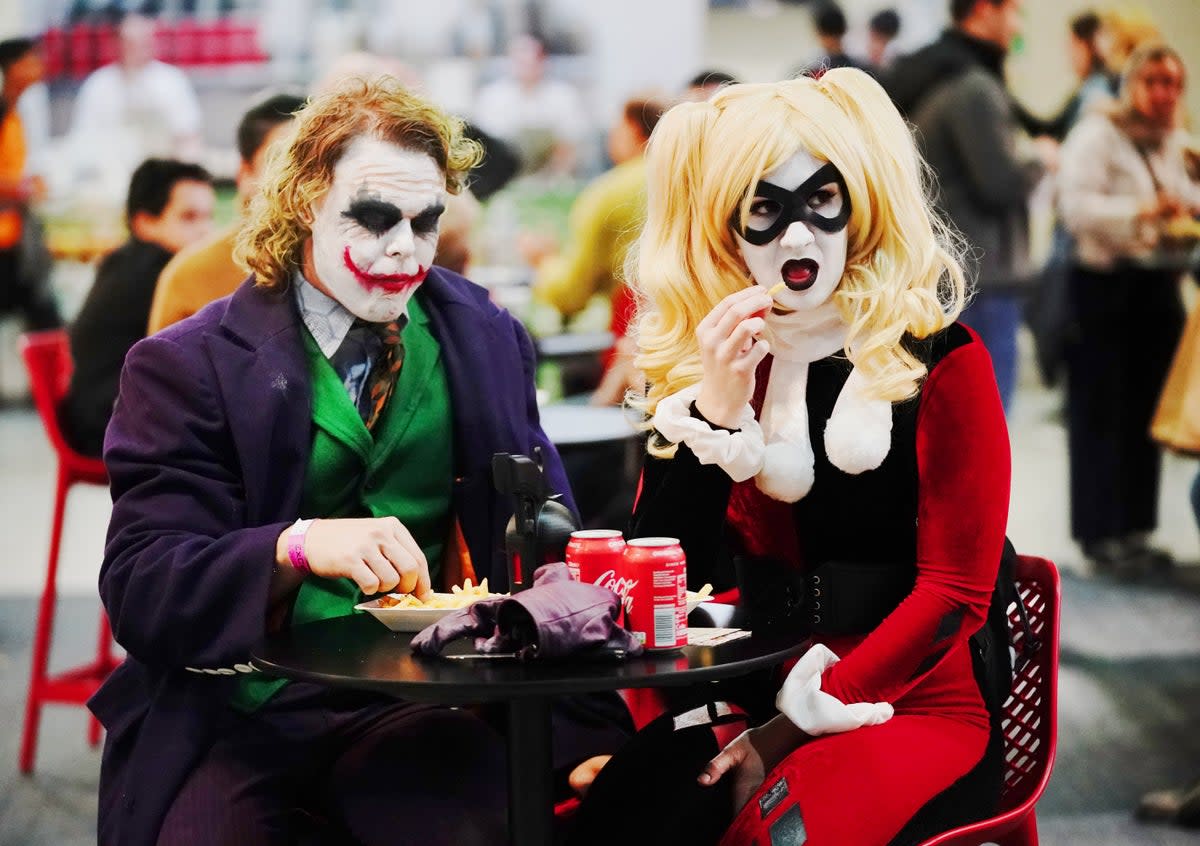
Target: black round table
[358,652]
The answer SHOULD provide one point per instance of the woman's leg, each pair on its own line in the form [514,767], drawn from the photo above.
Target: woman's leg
[861,787]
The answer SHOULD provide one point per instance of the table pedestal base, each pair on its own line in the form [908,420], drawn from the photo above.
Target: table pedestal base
[530,772]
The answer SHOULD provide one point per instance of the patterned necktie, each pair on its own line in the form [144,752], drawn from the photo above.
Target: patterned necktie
[382,380]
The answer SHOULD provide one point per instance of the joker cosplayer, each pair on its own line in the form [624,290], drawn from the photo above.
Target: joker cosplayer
[814,403]
[323,434]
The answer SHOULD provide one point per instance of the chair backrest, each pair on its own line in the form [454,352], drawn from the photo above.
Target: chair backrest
[1030,712]
[47,358]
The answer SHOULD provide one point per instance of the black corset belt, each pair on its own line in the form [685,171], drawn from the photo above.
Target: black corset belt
[836,598]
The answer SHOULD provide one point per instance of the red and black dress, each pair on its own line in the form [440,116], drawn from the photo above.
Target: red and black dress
[930,517]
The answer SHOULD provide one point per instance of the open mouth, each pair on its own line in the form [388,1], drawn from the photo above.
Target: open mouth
[799,274]
[389,282]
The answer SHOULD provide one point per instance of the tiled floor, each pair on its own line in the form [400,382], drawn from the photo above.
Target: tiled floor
[1129,690]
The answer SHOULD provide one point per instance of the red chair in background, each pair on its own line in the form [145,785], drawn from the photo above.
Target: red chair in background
[1030,715]
[48,359]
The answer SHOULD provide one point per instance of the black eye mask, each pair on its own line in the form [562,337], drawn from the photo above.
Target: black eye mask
[792,206]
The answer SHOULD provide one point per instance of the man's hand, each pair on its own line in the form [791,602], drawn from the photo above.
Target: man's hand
[378,553]
[731,347]
[753,754]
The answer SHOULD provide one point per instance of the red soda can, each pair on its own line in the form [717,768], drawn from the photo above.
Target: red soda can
[656,573]
[595,557]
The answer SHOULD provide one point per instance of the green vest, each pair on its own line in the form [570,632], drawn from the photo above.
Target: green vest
[405,468]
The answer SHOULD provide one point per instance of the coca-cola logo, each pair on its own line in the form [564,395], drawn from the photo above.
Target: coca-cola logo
[619,585]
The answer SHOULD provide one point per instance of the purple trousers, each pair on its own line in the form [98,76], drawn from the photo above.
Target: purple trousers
[321,767]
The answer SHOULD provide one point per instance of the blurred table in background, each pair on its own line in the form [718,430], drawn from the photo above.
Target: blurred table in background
[571,363]
[601,451]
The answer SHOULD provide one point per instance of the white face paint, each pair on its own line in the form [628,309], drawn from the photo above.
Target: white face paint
[375,232]
[808,260]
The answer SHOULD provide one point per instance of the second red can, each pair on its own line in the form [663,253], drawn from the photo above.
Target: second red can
[656,573]
[596,557]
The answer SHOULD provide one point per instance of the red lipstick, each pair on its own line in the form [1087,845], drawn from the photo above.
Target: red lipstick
[390,282]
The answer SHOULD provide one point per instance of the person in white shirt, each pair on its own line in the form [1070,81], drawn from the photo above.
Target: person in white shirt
[139,99]
[544,118]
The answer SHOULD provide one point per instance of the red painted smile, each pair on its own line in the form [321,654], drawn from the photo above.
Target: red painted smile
[391,282]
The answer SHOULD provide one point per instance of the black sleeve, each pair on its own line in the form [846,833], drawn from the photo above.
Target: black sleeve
[1055,127]
[682,498]
[500,163]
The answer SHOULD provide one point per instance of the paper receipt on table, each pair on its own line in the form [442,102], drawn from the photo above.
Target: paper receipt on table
[713,636]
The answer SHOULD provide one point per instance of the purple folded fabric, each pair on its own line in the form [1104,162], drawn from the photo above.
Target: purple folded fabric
[554,618]
[478,619]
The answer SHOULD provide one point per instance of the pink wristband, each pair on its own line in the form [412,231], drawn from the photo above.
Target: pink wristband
[295,545]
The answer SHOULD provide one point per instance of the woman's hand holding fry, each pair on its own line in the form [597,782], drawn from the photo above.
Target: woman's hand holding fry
[731,346]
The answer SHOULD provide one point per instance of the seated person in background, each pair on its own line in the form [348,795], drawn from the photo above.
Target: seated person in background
[457,227]
[206,271]
[324,434]
[542,117]
[170,205]
[139,99]
[603,223]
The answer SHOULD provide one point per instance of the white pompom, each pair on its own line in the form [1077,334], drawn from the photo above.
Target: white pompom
[858,434]
[787,473]
[856,443]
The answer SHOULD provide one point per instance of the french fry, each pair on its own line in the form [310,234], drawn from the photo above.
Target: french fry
[460,596]
[777,289]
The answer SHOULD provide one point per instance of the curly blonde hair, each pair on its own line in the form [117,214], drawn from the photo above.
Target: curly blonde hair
[903,273]
[300,170]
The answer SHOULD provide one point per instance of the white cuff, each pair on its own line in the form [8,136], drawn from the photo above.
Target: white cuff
[739,454]
[803,702]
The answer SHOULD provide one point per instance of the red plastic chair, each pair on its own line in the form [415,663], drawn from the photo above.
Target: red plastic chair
[48,359]
[1030,717]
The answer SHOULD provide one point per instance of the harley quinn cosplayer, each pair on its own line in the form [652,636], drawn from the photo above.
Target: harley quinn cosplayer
[814,403]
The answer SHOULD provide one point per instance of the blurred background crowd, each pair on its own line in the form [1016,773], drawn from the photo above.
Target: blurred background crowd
[132,132]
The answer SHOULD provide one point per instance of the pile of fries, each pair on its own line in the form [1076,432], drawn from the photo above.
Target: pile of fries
[700,595]
[459,597]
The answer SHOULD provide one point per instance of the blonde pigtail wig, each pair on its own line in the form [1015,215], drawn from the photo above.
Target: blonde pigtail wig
[903,273]
[674,277]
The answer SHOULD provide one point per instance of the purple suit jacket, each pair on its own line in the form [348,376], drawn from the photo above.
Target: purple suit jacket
[206,453]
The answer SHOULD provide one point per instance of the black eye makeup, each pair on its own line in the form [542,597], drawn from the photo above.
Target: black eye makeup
[426,223]
[378,216]
[822,201]
[375,216]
